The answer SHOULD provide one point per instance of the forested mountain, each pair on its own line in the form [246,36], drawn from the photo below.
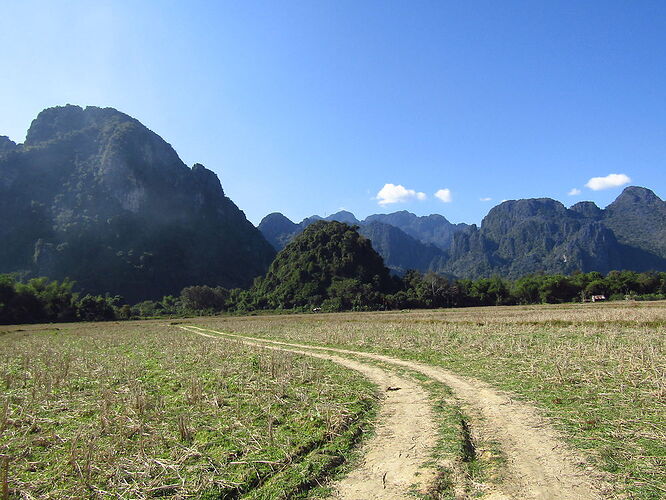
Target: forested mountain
[95,196]
[517,237]
[404,240]
[328,264]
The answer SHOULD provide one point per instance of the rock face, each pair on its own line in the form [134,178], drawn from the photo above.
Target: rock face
[6,144]
[541,235]
[638,219]
[94,195]
[433,229]
[400,251]
[518,237]
[404,240]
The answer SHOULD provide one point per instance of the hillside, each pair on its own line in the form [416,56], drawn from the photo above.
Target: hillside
[541,235]
[404,240]
[95,196]
[516,238]
[330,264]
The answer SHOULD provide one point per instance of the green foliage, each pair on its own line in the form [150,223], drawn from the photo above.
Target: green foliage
[329,263]
[97,308]
[40,301]
[204,298]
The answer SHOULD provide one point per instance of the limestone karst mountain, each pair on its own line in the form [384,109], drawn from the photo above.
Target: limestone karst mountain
[517,237]
[95,196]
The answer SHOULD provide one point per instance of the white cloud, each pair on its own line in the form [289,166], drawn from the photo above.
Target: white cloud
[487,198]
[444,195]
[392,193]
[610,181]
[574,192]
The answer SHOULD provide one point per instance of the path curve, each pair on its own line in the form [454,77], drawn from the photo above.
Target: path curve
[405,434]
[540,465]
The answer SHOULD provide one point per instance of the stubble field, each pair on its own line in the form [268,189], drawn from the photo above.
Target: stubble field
[143,409]
[597,370]
[147,409]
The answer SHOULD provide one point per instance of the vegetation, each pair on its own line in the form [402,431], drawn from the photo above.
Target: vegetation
[596,369]
[328,265]
[94,196]
[516,238]
[40,300]
[331,266]
[147,410]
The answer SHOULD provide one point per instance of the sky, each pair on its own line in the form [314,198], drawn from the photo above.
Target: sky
[309,107]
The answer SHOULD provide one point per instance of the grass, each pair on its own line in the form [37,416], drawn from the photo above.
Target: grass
[141,410]
[467,465]
[599,370]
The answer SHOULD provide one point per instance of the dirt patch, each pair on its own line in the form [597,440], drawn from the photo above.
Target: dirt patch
[405,434]
[540,465]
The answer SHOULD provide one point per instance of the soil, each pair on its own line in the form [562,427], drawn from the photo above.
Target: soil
[539,463]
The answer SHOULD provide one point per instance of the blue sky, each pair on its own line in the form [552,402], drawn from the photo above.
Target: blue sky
[312,106]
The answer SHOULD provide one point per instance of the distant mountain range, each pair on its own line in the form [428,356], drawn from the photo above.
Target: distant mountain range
[95,196]
[515,238]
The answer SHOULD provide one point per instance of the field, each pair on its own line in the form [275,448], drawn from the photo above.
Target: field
[139,410]
[145,409]
[598,370]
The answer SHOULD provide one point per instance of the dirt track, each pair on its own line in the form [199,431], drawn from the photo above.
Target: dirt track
[403,440]
[540,465]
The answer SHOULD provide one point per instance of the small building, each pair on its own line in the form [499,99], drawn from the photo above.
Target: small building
[597,298]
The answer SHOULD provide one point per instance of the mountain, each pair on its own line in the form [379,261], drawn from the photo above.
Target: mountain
[517,237]
[278,230]
[343,216]
[400,251]
[404,240]
[433,229]
[329,264]
[95,196]
[541,235]
[638,219]
[535,235]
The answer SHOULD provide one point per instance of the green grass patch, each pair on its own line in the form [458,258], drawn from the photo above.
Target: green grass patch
[142,410]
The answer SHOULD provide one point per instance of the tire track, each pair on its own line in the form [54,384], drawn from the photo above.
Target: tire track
[540,465]
[405,434]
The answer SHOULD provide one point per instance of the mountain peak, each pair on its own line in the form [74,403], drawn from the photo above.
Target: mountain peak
[636,195]
[274,218]
[343,216]
[587,209]
[6,144]
[56,122]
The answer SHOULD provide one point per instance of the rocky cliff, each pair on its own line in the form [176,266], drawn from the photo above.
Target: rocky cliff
[96,196]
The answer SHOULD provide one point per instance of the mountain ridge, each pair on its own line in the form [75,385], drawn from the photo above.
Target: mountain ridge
[519,237]
[94,195]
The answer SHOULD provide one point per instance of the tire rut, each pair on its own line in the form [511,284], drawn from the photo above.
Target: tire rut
[405,435]
[540,465]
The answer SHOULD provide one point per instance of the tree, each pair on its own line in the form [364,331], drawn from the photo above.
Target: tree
[204,298]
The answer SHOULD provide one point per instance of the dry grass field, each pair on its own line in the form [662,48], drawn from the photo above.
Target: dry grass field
[143,409]
[146,409]
[598,370]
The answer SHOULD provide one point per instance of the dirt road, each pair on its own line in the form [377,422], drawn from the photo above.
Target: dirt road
[540,465]
[404,436]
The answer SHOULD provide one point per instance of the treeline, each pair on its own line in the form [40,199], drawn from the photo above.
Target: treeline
[41,301]
[416,290]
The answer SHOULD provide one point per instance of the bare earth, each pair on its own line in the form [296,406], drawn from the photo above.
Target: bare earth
[540,465]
